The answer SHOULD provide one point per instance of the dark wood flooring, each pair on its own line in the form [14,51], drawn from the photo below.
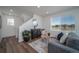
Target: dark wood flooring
[10,45]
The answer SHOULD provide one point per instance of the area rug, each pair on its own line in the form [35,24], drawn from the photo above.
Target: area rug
[39,45]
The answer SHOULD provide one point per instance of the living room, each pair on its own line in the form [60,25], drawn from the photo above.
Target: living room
[16,21]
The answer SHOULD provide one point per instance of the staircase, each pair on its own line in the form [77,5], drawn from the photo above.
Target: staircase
[25,26]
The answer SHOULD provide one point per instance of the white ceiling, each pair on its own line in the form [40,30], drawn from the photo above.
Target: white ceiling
[43,10]
[30,10]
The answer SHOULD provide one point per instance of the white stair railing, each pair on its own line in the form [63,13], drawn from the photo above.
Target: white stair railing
[25,26]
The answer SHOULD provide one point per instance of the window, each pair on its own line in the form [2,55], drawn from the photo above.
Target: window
[10,21]
[64,23]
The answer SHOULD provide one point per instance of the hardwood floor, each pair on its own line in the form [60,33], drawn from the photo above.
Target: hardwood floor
[12,46]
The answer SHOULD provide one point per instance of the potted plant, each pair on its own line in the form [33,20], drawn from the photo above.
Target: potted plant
[26,35]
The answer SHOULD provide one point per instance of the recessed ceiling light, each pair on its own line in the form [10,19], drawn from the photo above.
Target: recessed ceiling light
[11,10]
[38,6]
[47,12]
[10,13]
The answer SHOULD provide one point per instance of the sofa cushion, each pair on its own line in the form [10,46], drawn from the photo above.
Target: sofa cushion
[59,48]
[72,34]
[73,43]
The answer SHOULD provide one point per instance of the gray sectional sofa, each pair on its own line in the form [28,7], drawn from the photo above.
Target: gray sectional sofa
[71,45]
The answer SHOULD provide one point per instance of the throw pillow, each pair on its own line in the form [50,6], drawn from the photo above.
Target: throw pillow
[63,38]
[59,35]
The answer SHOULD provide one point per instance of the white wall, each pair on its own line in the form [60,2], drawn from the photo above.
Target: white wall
[74,12]
[0,25]
[10,30]
[29,25]
[0,34]
[0,28]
